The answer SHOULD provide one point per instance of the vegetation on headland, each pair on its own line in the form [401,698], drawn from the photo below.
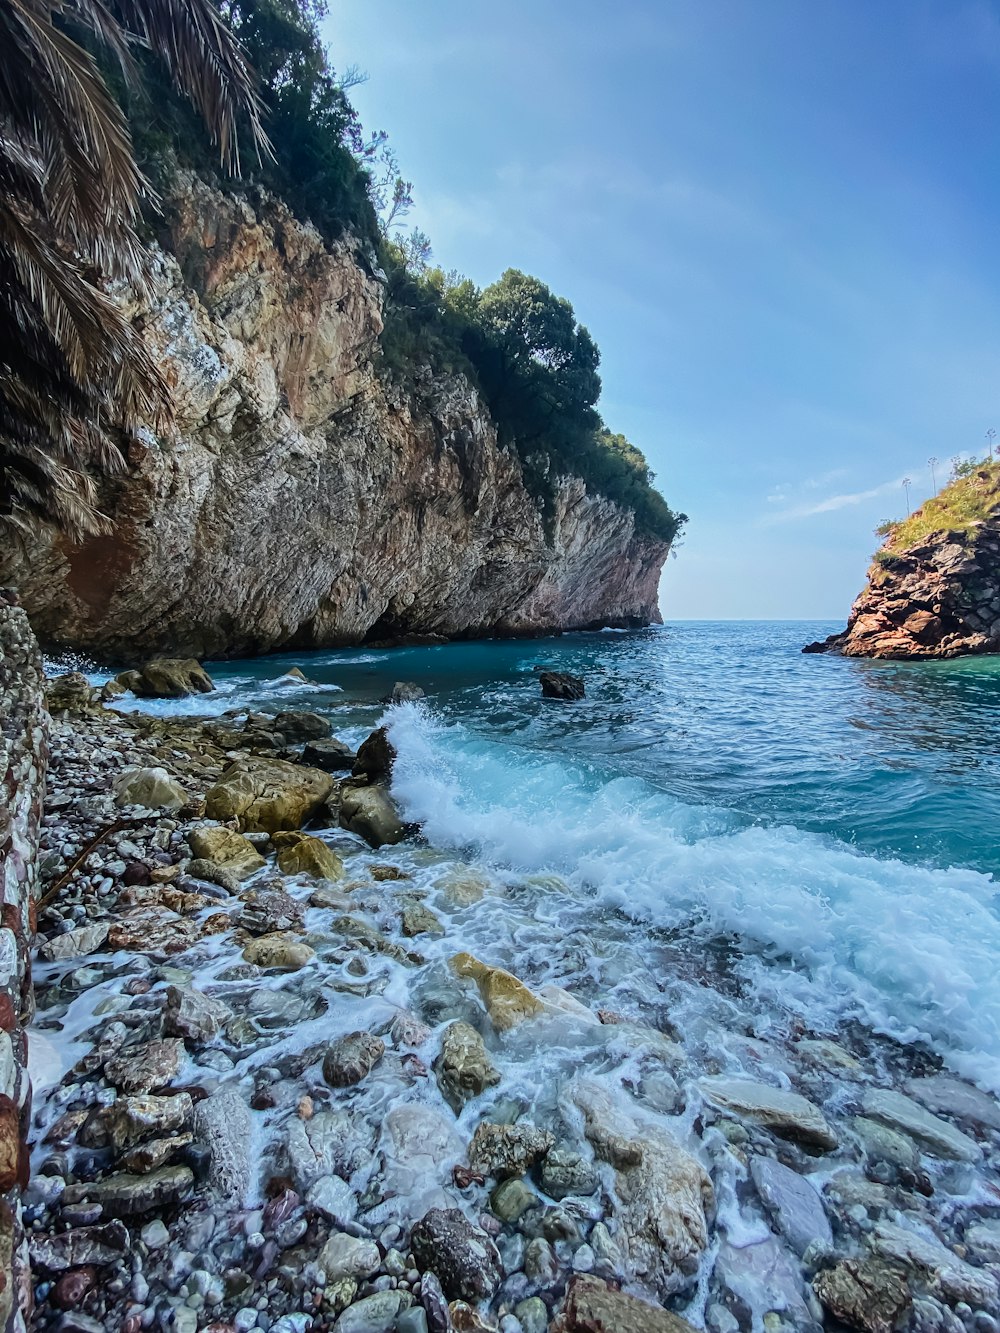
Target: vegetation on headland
[971,496]
[521,345]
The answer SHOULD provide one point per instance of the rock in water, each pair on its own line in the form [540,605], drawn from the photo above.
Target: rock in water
[594,1307]
[786,1114]
[934,1134]
[508,1150]
[795,1205]
[865,1294]
[370,812]
[403,692]
[331,755]
[268,795]
[298,727]
[225,847]
[463,1068]
[222,1123]
[302,854]
[561,685]
[193,1016]
[462,1257]
[352,1058]
[508,1001]
[168,678]
[664,1193]
[376,756]
[153,788]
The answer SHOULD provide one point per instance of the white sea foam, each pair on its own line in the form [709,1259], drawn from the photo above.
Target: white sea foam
[831,933]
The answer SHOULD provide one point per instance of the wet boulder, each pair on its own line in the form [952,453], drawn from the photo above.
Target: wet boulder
[350,1059]
[508,1001]
[594,1307]
[299,727]
[268,795]
[152,788]
[403,692]
[371,813]
[331,755]
[561,685]
[376,756]
[786,1114]
[302,854]
[462,1257]
[70,692]
[463,1069]
[508,1150]
[865,1294]
[227,848]
[168,678]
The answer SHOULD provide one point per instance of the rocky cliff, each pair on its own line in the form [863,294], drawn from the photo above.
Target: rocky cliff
[933,591]
[304,502]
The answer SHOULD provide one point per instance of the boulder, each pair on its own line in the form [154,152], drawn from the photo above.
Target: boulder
[463,1068]
[193,1016]
[222,1123]
[132,1119]
[350,1059]
[371,813]
[664,1194]
[271,911]
[126,1195]
[268,795]
[152,788]
[864,1294]
[508,1150]
[302,854]
[374,1314]
[299,727]
[168,678]
[403,692]
[102,1245]
[794,1204]
[420,920]
[279,950]
[74,943]
[593,1307]
[561,685]
[565,1172]
[331,755]
[945,1095]
[786,1114]
[419,1147]
[462,1257]
[508,1001]
[72,691]
[145,1068]
[349,1256]
[332,1142]
[227,848]
[376,756]
[932,1133]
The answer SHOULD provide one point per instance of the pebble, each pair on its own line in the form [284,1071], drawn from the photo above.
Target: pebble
[155,1235]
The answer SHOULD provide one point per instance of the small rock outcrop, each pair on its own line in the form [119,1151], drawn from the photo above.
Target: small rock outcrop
[561,685]
[168,678]
[933,594]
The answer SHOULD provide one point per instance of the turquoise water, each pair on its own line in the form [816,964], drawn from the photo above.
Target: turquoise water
[837,821]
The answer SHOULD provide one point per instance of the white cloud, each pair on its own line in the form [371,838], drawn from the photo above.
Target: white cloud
[832,503]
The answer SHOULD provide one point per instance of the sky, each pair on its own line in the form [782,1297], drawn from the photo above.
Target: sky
[778,220]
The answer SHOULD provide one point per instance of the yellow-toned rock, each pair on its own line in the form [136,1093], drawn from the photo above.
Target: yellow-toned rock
[225,847]
[279,950]
[462,888]
[268,795]
[302,854]
[507,1000]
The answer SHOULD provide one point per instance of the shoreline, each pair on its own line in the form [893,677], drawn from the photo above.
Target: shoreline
[691,1173]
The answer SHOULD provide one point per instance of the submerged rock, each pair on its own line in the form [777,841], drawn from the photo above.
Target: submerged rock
[786,1114]
[508,1001]
[193,1016]
[461,1256]
[222,1123]
[565,1173]
[463,1068]
[945,1095]
[561,685]
[279,950]
[145,1068]
[508,1150]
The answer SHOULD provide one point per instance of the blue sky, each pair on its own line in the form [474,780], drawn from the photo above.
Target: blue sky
[778,219]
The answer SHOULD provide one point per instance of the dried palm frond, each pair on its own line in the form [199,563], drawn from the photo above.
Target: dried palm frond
[73,370]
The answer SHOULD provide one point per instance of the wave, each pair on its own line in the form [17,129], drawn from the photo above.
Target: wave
[828,932]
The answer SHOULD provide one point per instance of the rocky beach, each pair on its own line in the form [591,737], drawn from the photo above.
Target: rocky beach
[295,1069]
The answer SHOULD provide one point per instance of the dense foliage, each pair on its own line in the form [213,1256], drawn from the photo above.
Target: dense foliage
[536,367]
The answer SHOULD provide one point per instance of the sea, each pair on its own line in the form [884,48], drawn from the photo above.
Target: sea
[821,835]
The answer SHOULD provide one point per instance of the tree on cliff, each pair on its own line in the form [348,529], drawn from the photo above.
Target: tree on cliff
[71,364]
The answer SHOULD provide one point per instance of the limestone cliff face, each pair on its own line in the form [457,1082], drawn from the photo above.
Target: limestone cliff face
[937,598]
[302,502]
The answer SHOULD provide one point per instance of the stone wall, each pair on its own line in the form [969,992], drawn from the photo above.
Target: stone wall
[23,752]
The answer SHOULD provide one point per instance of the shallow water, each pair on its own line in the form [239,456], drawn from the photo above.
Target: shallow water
[838,820]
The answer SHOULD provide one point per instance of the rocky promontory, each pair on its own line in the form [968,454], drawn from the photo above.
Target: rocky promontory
[305,498]
[933,589]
